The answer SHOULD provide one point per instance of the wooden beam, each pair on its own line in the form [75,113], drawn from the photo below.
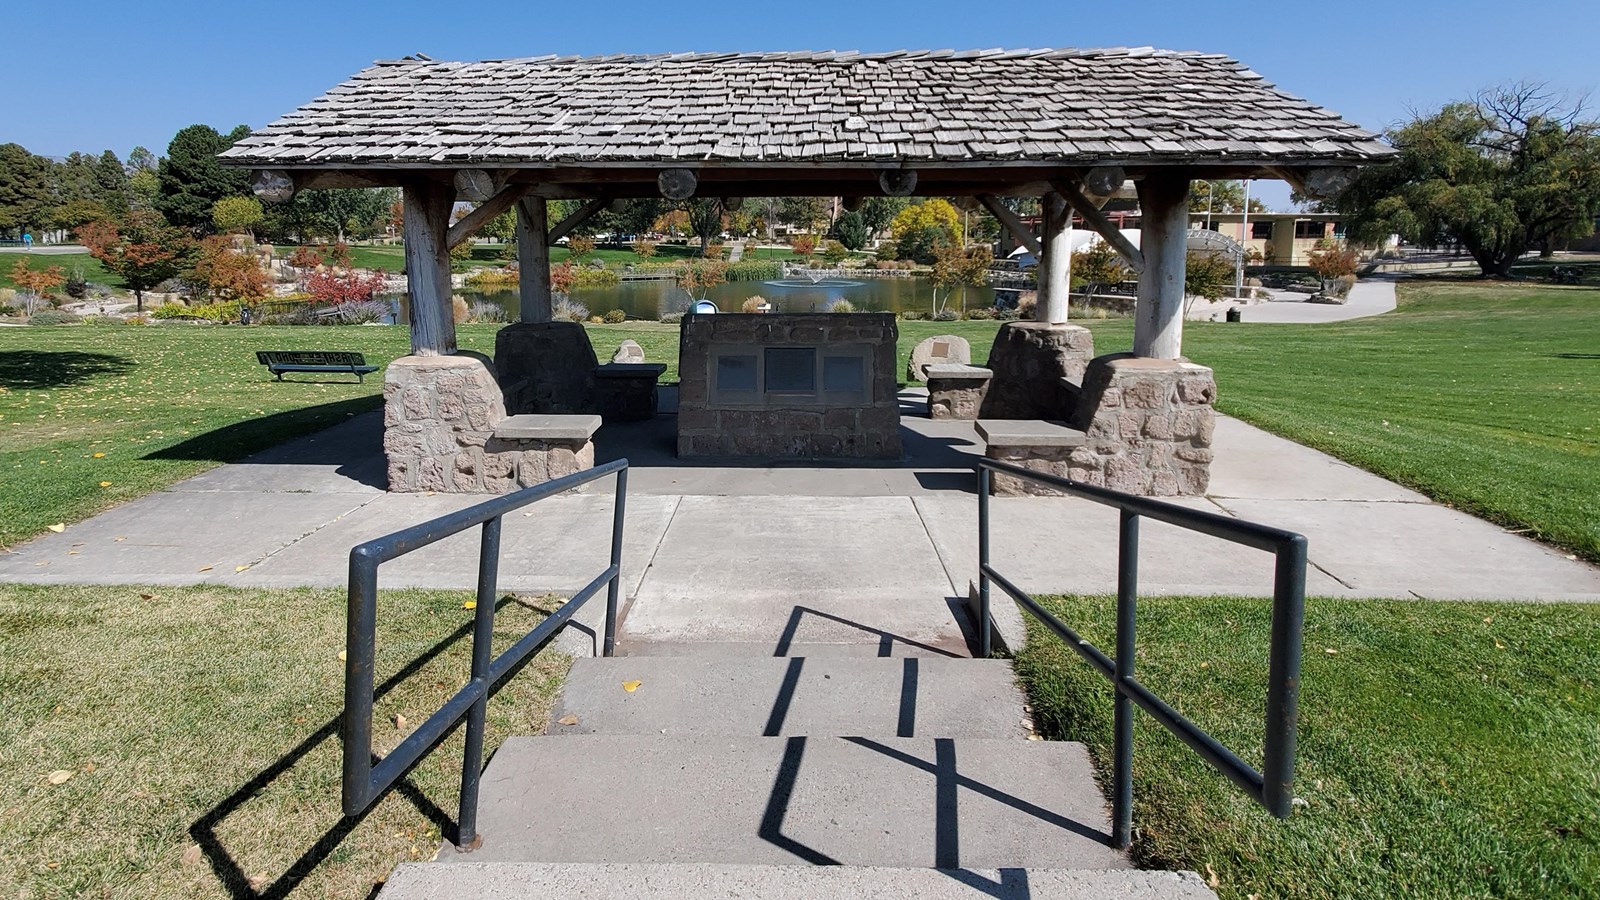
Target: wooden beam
[1095,219]
[677,184]
[533,259]
[494,206]
[1055,263]
[1322,183]
[1009,219]
[427,211]
[1164,227]
[273,185]
[584,214]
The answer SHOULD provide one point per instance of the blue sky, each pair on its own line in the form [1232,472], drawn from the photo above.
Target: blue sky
[95,75]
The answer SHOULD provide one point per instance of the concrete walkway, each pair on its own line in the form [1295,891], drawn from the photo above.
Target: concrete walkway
[880,555]
[1371,296]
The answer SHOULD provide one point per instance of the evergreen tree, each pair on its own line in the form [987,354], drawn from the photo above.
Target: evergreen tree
[193,179]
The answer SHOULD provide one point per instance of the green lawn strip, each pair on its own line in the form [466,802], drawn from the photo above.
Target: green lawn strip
[92,270]
[1484,396]
[207,716]
[1445,749]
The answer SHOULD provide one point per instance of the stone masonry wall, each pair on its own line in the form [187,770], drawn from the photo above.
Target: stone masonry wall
[439,417]
[1148,425]
[1029,361]
[780,429]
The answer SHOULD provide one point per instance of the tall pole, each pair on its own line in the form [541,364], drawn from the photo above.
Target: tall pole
[1244,248]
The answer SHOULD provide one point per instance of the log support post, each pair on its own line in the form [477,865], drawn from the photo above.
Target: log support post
[533,258]
[427,254]
[1158,317]
[1055,262]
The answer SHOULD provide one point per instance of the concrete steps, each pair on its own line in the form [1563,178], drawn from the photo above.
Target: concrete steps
[771,696]
[514,881]
[789,777]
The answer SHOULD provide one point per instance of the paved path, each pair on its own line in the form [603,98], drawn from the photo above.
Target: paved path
[1370,297]
[880,554]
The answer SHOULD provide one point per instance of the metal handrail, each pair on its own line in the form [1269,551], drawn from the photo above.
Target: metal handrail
[1273,786]
[364,782]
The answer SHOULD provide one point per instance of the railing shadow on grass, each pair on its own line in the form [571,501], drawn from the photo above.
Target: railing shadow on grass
[33,369]
[228,871]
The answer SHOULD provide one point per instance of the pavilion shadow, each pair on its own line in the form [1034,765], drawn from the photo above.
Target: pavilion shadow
[233,877]
[328,434]
[25,369]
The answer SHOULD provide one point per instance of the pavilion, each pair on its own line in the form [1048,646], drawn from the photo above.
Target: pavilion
[1066,126]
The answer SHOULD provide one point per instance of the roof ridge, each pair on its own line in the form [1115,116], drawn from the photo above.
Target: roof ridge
[945,54]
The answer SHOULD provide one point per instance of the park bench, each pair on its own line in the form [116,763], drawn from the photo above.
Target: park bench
[1566,274]
[280,361]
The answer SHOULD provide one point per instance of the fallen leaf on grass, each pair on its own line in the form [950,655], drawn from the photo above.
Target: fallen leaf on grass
[1213,880]
[99,456]
[59,527]
[147,596]
[470,604]
[567,720]
[1331,652]
[105,484]
[631,686]
[400,721]
[59,776]
[191,854]
[342,656]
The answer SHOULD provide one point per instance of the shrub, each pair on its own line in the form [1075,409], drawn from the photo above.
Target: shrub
[644,249]
[566,309]
[1027,305]
[580,246]
[7,296]
[224,311]
[804,245]
[1006,315]
[672,318]
[587,277]
[981,313]
[834,252]
[344,285]
[95,319]
[946,315]
[841,306]
[7,310]
[38,281]
[360,312]
[458,308]
[713,251]
[493,278]
[460,254]
[888,251]
[228,274]
[1207,275]
[752,304]
[484,312]
[1331,260]
[53,317]
[597,320]
[616,317]
[170,311]
[76,286]
[914,315]
[755,270]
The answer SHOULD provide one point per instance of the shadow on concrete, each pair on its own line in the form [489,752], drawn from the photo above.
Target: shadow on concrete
[25,369]
[886,640]
[233,878]
[948,783]
[335,433]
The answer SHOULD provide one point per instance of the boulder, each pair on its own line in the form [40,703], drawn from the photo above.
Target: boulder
[939,350]
[628,351]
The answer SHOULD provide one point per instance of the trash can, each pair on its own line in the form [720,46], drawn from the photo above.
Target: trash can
[244,315]
[1233,314]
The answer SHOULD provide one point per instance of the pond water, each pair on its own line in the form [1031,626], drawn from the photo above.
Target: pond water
[653,299]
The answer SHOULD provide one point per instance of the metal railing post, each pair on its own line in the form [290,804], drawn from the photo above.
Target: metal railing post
[609,644]
[1283,677]
[1122,710]
[985,625]
[482,652]
[360,637]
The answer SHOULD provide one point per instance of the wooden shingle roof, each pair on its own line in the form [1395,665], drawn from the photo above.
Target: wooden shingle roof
[942,108]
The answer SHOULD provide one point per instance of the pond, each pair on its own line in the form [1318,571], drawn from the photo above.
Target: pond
[653,299]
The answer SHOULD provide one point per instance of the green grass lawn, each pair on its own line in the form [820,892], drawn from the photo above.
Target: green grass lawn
[199,727]
[1445,749]
[93,271]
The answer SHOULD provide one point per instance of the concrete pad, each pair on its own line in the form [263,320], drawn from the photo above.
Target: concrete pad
[1251,463]
[669,881]
[346,458]
[1067,545]
[709,695]
[177,538]
[775,570]
[945,802]
[1425,550]
[1368,297]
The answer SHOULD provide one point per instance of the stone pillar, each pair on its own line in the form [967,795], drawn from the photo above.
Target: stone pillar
[546,368]
[1055,261]
[533,258]
[427,253]
[1164,244]
[438,413]
[1148,425]
[1032,362]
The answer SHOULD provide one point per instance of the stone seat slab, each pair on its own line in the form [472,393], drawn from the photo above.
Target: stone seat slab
[530,427]
[959,371]
[630,370]
[1029,433]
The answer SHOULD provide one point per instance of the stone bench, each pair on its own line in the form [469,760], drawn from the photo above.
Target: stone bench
[1049,448]
[956,391]
[628,392]
[532,449]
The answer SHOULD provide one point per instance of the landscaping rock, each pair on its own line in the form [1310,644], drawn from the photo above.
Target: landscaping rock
[628,351]
[941,349]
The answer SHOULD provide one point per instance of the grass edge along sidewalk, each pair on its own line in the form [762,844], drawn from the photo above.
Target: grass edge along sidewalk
[1445,749]
[183,741]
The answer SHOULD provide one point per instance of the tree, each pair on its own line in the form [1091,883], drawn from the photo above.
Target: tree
[333,214]
[851,230]
[26,195]
[1207,275]
[192,178]
[236,215]
[143,249]
[955,267]
[229,275]
[1221,197]
[1514,168]
[920,228]
[802,212]
[705,220]
[1096,266]
[37,281]
[878,212]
